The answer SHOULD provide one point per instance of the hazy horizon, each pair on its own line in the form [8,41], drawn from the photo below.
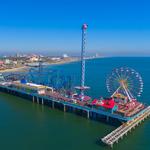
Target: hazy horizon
[74,54]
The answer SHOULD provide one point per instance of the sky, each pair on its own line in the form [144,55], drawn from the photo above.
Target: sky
[115,27]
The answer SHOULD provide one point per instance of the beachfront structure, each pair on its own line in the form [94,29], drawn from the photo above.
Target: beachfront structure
[117,108]
[31,87]
[33,59]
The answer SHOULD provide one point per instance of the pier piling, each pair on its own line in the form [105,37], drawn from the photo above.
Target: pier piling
[53,104]
[33,99]
[42,101]
[64,108]
[107,118]
[37,100]
[88,114]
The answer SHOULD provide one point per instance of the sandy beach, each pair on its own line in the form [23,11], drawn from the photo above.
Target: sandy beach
[26,68]
[21,69]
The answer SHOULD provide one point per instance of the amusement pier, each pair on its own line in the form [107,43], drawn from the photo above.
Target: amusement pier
[50,88]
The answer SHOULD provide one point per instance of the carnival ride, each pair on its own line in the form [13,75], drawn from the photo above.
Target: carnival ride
[13,76]
[82,88]
[52,78]
[125,85]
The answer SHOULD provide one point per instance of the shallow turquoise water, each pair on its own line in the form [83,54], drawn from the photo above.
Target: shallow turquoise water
[28,126]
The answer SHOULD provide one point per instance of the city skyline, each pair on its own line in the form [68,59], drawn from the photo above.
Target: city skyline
[116,28]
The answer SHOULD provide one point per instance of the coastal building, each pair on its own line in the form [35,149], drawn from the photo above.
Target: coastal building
[65,56]
[33,58]
[55,58]
[15,62]
[7,61]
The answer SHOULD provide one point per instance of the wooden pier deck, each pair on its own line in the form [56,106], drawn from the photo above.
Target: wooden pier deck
[118,133]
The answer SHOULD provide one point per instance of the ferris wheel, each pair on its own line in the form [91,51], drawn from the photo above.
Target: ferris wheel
[125,81]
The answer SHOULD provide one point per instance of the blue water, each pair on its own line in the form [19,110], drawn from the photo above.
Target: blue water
[98,70]
[28,126]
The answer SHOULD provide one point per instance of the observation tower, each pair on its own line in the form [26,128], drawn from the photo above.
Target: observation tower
[82,87]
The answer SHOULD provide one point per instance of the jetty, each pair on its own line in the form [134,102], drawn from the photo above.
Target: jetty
[118,133]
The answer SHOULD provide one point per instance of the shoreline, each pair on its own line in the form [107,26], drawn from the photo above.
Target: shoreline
[64,62]
[25,68]
[21,69]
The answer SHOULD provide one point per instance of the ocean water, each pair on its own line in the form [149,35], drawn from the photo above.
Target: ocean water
[28,126]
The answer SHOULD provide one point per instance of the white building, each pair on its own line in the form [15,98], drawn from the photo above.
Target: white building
[55,58]
[7,61]
[34,58]
[65,56]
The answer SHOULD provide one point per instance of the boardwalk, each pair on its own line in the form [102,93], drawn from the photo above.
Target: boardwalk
[117,134]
